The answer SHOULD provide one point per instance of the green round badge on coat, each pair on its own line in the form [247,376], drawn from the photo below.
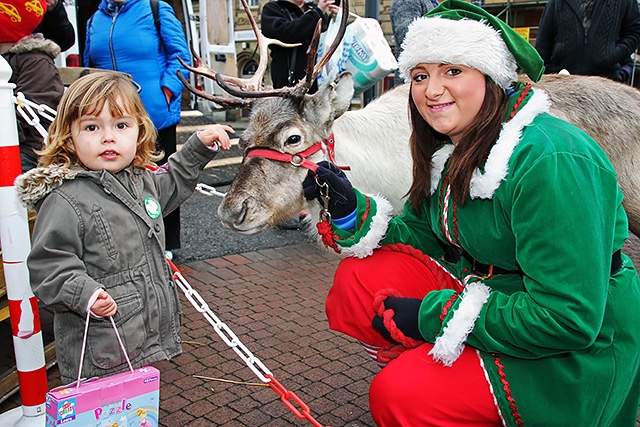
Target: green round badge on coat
[153,207]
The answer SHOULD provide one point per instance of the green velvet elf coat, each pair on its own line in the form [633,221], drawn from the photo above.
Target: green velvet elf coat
[560,343]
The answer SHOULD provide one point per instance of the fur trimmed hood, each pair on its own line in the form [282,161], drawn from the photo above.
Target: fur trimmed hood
[35,42]
[34,185]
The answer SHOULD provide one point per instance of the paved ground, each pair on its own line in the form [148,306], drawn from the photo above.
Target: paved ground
[273,301]
[270,291]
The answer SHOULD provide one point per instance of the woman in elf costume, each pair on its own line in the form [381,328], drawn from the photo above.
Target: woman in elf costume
[500,296]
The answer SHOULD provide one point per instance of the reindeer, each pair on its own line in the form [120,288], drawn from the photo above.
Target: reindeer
[289,131]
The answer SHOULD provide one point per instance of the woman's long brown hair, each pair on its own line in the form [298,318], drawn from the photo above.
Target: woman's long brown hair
[468,154]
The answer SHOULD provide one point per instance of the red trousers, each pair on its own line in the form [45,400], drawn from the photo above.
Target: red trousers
[412,390]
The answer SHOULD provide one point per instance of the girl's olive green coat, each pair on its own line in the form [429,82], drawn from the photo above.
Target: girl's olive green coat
[99,230]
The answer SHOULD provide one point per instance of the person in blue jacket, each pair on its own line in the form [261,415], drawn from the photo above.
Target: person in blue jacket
[122,35]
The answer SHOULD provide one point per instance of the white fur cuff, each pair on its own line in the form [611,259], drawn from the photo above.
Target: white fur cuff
[379,225]
[450,344]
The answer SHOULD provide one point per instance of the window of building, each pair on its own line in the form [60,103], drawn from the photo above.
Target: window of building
[253,4]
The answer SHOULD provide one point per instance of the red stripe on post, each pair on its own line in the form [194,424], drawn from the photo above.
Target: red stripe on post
[10,165]
[34,386]
[15,311]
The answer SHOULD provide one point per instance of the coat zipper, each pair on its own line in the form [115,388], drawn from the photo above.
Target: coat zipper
[111,51]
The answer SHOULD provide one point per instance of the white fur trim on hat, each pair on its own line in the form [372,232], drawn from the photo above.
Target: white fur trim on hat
[467,42]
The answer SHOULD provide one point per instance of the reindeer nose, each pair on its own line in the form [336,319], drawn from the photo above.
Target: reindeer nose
[241,215]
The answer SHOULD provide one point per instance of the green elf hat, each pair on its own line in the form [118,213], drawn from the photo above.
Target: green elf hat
[457,32]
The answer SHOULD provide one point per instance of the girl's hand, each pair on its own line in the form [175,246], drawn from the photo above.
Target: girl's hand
[216,133]
[104,306]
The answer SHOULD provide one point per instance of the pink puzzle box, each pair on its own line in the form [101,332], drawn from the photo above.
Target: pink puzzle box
[130,399]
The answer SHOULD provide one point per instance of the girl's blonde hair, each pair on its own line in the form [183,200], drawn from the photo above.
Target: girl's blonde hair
[87,96]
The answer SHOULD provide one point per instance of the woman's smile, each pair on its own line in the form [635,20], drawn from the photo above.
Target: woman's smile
[441,106]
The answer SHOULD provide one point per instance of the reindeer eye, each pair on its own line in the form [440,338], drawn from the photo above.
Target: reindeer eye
[293,139]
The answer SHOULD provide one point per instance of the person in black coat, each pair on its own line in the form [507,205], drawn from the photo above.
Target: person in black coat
[293,22]
[56,26]
[588,37]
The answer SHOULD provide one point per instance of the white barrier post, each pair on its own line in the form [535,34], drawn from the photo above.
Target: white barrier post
[16,244]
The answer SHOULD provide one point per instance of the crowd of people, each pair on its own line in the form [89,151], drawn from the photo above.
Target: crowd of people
[500,290]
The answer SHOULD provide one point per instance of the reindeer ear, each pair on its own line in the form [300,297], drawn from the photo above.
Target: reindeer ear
[329,103]
[343,93]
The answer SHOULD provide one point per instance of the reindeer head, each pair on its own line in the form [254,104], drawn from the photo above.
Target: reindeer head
[267,191]
[285,123]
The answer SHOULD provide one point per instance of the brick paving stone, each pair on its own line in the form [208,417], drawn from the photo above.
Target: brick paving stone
[224,418]
[219,262]
[255,417]
[237,259]
[177,418]
[199,409]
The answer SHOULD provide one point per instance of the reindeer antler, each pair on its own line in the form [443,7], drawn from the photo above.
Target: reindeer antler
[206,71]
[253,87]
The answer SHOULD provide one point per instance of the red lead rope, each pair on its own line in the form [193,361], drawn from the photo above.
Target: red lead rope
[325,230]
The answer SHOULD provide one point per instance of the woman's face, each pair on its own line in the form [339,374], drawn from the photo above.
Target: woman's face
[448,96]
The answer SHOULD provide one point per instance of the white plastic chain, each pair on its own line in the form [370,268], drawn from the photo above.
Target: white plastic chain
[208,190]
[29,111]
[221,328]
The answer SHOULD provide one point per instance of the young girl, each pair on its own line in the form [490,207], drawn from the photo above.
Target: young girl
[98,241]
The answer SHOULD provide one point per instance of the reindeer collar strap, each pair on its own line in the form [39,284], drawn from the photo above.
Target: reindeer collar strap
[330,143]
[298,159]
